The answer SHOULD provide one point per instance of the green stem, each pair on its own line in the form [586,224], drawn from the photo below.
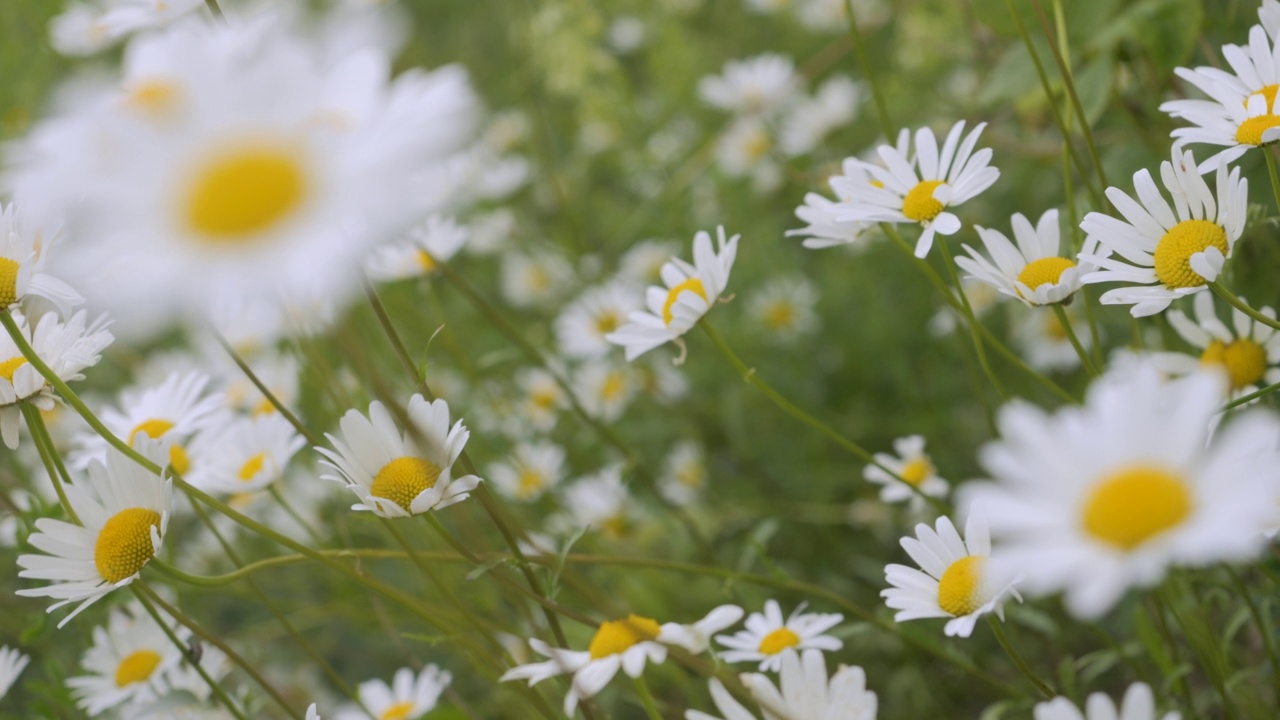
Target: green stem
[284,504]
[285,413]
[868,72]
[974,332]
[1242,306]
[646,699]
[1065,322]
[1018,662]
[44,445]
[1275,176]
[1251,396]
[214,9]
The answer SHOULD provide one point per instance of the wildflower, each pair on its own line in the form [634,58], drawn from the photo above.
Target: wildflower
[1044,344]
[911,465]
[826,228]
[804,693]
[408,697]
[542,398]
[128,663]
[1248,352]
[746,150]
[751,87]
[600,501]
[534,468]
[768,637]
[24,253]
[421,251]
[605,389]
[834,105]
[1032,271]
[583,326]
[642,263]
[1138,704]
[12,662]
[247,455]
[785,307]
[684,473]
[536,279]
[89,27]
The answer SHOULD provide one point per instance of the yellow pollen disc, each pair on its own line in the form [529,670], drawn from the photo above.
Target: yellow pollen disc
[780,316]
[245,192]
[916,471]
[779,640]
[615,526]
[1251,130]
[617,636]
[607,322]
[545,399]
[1052,328]
[919,204]
[179,460]
[124,544]
[690,476]
[425,261]
[10,366]
[403,479]
[152,428]
[399,711]
[877,184]
[263,408]
[693,285]
[252,467]
[8,281]
[137,667]
[1045,271]
[1244,360]
[1173,254]
[614,385]
[153,97]
[530,482]
[757,145]
[1134,505]
[958,588]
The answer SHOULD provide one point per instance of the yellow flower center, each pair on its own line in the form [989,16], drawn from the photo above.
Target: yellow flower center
[263,408]
[545,398]
[399,711]
[614,385]
[919,204]
[693,285]
[1173,254]
[1045,271]
[1250,131]
[959,586]
[607,322]
[8,281]
[780,315]
[124,544]
[615,526]
[690,475]
[618,636]
[425,261]
[1134,505]
[403,479]
[530,482]
[757,145]
[779,640]
[10,366]
[252,467]
[245,192]
[916,471]
[179,461]
[1244,360]
[137,667]
[155,97]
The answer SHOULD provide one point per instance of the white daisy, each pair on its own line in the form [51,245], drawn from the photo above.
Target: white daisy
[128,662]
[420,253]
[535,279]
[600,501]
[825,228]
[409,696]
[745,150]
[541,399]
[583,325]
[12,662]
[921,188]
[808,122]
[690,292]
[662,380]
[86,28]
[768,636]
[1043,343]
[1031,271]
[534,468]
[1249,355]
[66,347]
[1095,499]
[753,86]
[24,251]
[279,372]
[125,511]
[1269,16]
[1163,255]
[784,307]
[605,389]
[1138,704]
[398,475]
[684,473]
[642,264]
[245,456]
[804,693]
[912,465]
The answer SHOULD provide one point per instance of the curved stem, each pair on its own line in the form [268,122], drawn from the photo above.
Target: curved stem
[1242,306]
[285,413]
[1275,176]
[1243,399]
[973,319]
[1065,322]
[1001,638]
[52,464]
[646,698]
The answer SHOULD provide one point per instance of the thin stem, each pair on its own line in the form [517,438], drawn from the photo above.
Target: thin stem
[973,319]
[1251,396]
[646,698]
[44,446]
[1156,609]
[1268,637]
[1018,662]
[1065,322]
[293,420]
[284,504]
[214,8]
[868,72]
[1275,176]
[389,329]
[1242,306]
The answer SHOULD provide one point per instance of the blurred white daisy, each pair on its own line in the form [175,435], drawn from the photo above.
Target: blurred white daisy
[534,468]
[601,502]
[662,380]
[1249,352]
[768,636]
[746,150]
[1167,253]
[400,474]
[604,388]
[752,86]
[642,264]
[1095,499]
[1031,271]
[912,465]
[420,253]
[24,252]
[12,662]
[784,307]
[541,398]
[1269,16]
[89,27]
[598,311]
[689,292]
[409,696]
[831,16]
[279,372]
[982,298]
[808,122]
[535,279]
[684,473]
[128,662]
[1138,704]
[803,693]
[920,189]
[825,228]
[246,455]
[1043,343]
[125,514]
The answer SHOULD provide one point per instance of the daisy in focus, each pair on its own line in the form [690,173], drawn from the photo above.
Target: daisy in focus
[400,474]
[1166,253]
[409,697]
[825,228]
[689,292]
[768,636]
[128,663]
[914,466]
[534,468]
[1095,499]
[803,692]
[24,251]
[1248,352]
[920,189]
[12,662]
[420,253]
[1031,271]
[1138,704]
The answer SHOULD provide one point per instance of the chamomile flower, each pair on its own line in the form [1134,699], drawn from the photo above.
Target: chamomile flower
[803,693]
[920,189]
[1166,253]
[534,279]
[12,662]
[684,474]
[689,292]
[542,398]
[86,28]
[1138,704]
[125,514]
[1093,500]
[1248,351]
[409,696]
[128,662]
[768,636]
[807,124]
[420,253]
[605,389]
[24,250]
[784,307]
[601,502]
[395,474]
[1031,271]
[642,264]
[277,371]
[751,87]
[534,468]
[910,464]
[959,579]
[1269,16]
[66,347]
[245,456]
[745,150]
[825,228]
[582,327]
[1043,343]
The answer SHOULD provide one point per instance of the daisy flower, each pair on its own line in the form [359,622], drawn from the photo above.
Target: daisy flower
[689,292]
[960,580]
[642,264]
[125,512]
[768,636]
[1031,271]
[1269,16]
[751,87]
[1095,499]
[1138,704]
[745,149]
[1044,344]
[542,398]
[625,644]
[420,253]
[605,389]
[279,372]
[582,327]
[912,465]
[684,473]
[395,474]
[1163,255]
[247,455]
[409,696]
[804,693]
[12,662]
[24,250]
[826,228]
[534,279]
[785,307]
[1248,351]
[808,122]
[600,501]
[534,468]
[86,28]
[921,188]
[66,347]
[128,662]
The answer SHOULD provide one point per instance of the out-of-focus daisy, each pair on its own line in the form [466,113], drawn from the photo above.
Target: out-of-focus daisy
[534,279]
[600,501]
[542,398]
[185,678]
[1031,271]
[642,264]
[1167,253]
[921,189]
[1248,355]
[409,696]
[830,16]
[689,292]
[1096,499]
[85,28]
[582,327]
[24,250]
[605,389]
[661,380]
[1043,343]
[247,455]
[277,371]
[750,87]
[127,663]
[1138,704]
[834,105]
[912,465]
[826,228]
[626,34]
[420,253]
[490,231]
[684,473]
[768,636]
[803,692]
[626,644]
[12,662]
[66,347]
[745,150]
[534,468]
[400,474]
[125,510]
[784,307]
[959,578]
